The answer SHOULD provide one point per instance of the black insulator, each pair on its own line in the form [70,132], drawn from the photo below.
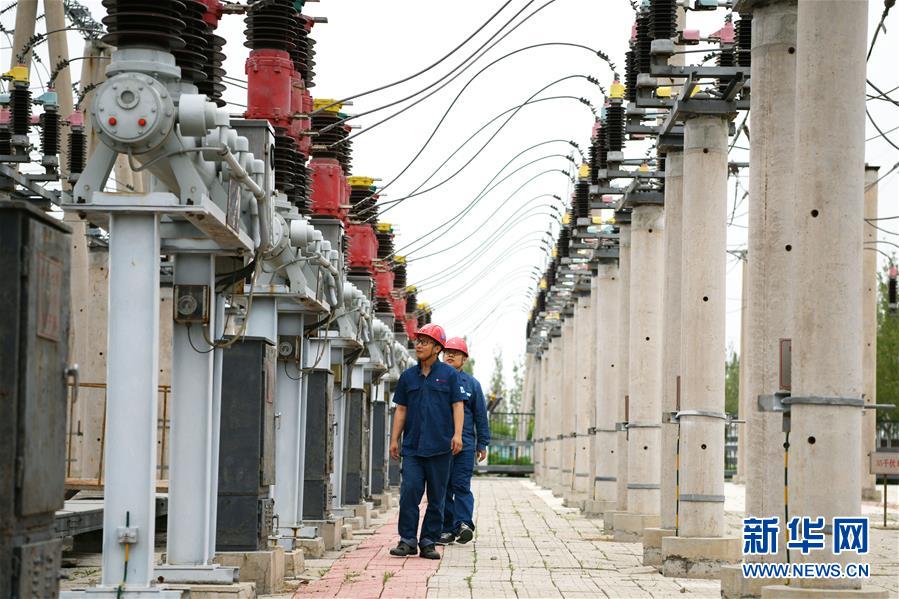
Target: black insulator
[661,168]
[358,271]
[5,141]
[564,241]
[891,291]
[743,30]
[663,19]
[600,154]
[726,58]
[271,24]
[330,143]
[192,59]
[345,245]
[399,275]
[362,204]
[643,44]
[285,162]
[383,305]
[145,23]
[77,151]
[614,128]
[19,110]
[399,326]
[630,75]
[303,53]
[301,193]
[212,85]
[385,246]
[49,133]
[582,199]
[411,302]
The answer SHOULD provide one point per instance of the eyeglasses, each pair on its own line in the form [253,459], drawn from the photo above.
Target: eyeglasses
[452,353]
[423,341]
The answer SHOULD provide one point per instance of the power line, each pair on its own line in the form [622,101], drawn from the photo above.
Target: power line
[887,5]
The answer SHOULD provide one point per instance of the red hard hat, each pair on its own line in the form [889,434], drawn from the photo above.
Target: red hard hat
[458,344]
[434,331]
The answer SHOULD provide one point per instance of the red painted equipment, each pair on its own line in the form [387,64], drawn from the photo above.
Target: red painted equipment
[363,246]
[269,86]
[329,188]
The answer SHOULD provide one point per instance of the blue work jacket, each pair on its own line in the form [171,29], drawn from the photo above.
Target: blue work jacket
[476,430]
[429,400]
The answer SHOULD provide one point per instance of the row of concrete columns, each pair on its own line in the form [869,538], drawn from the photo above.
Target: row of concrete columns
[658,322]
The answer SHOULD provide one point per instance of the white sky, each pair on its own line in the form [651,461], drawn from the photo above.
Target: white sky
[367,44]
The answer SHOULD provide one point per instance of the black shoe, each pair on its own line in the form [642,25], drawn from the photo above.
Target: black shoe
[465,534]
[429,552]
[446,538]
[403,550]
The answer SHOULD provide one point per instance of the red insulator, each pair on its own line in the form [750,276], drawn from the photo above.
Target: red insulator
[411,326]
[398,300]
[384,278]
[363,247]
[329,188]
[269,86]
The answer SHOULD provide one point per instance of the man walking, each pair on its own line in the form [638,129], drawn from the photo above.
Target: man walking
[458,510]
[429,415]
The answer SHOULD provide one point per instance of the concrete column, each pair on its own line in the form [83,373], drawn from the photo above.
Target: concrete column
[585,366]
[288,434]
[554,408]
[869,336]
[827,385]
[671,352]
[606,455]
[742,396]
[26,17]
[645,370]
[621,379]
[568,407]
[701,548]
[770,267]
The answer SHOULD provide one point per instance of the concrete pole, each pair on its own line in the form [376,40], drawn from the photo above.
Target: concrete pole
[542,423]
[742,396]
[671,352]
[606,455]
[869,336]
[827,385]
[585,366]
[593,449]
[645,369]
[621,378]
[769,322]
[26,16]
[701,547]
[58,48]
[554,408]
[190,499]
[568,409]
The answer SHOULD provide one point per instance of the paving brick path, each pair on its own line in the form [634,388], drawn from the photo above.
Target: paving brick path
[528,545]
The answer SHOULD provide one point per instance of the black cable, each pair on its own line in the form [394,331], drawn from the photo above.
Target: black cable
[882,134]
[448,225]
[426,69]
[287,374]
[501,280]
[870,224]
[490,236]
[38,38]
[63,64]
[500,232]
[194,347]
[385,206]
[883,95]
[887,5]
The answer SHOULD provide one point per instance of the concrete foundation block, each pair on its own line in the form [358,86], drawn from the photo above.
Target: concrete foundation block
[872,494]
[346,531]
[363,510]
[331,531]
[795,592]
[239,590]
[354,522]
[294,563]
[608,521]
[264,568]
[652,545]
[312,548]
[596,508]
[628,527]
[698,557]
[734,586]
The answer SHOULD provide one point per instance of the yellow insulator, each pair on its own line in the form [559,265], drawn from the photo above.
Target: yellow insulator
[616,90]
[355,181]
[543,284]
[18,73]
[663,92]
[411,289]
[566,219]
[596,220]
[384,227]
[399,259]
[319,103]
[584,171]
[644,168]
[554,253]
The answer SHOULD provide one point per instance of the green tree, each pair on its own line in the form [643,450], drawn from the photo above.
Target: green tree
[497,380]
[515,392]
[732,382]
[468,367]
[887,352]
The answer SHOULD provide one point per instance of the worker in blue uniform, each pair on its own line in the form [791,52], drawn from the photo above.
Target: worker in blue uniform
[429,415]
[458,510]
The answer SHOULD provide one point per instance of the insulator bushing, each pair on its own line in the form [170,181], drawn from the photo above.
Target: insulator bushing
[399,272]
[614,128]
[411,302]
[212,85]
[302,188]
[77,150]
[383,305]
[630,75]
[49,122]
[145,23]
[285,162]
[600,154]
[385,248]
[643,43]
[5,141]
[331,143]
[362,204]
[726,58]
[663,19]
[303,52]
[562,245]
[271,24]
[399,326]
[743,30]
[19,110]
[192,59]
[582,199]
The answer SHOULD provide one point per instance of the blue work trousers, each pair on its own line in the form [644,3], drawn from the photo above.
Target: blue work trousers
[418,475]
[459,505]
